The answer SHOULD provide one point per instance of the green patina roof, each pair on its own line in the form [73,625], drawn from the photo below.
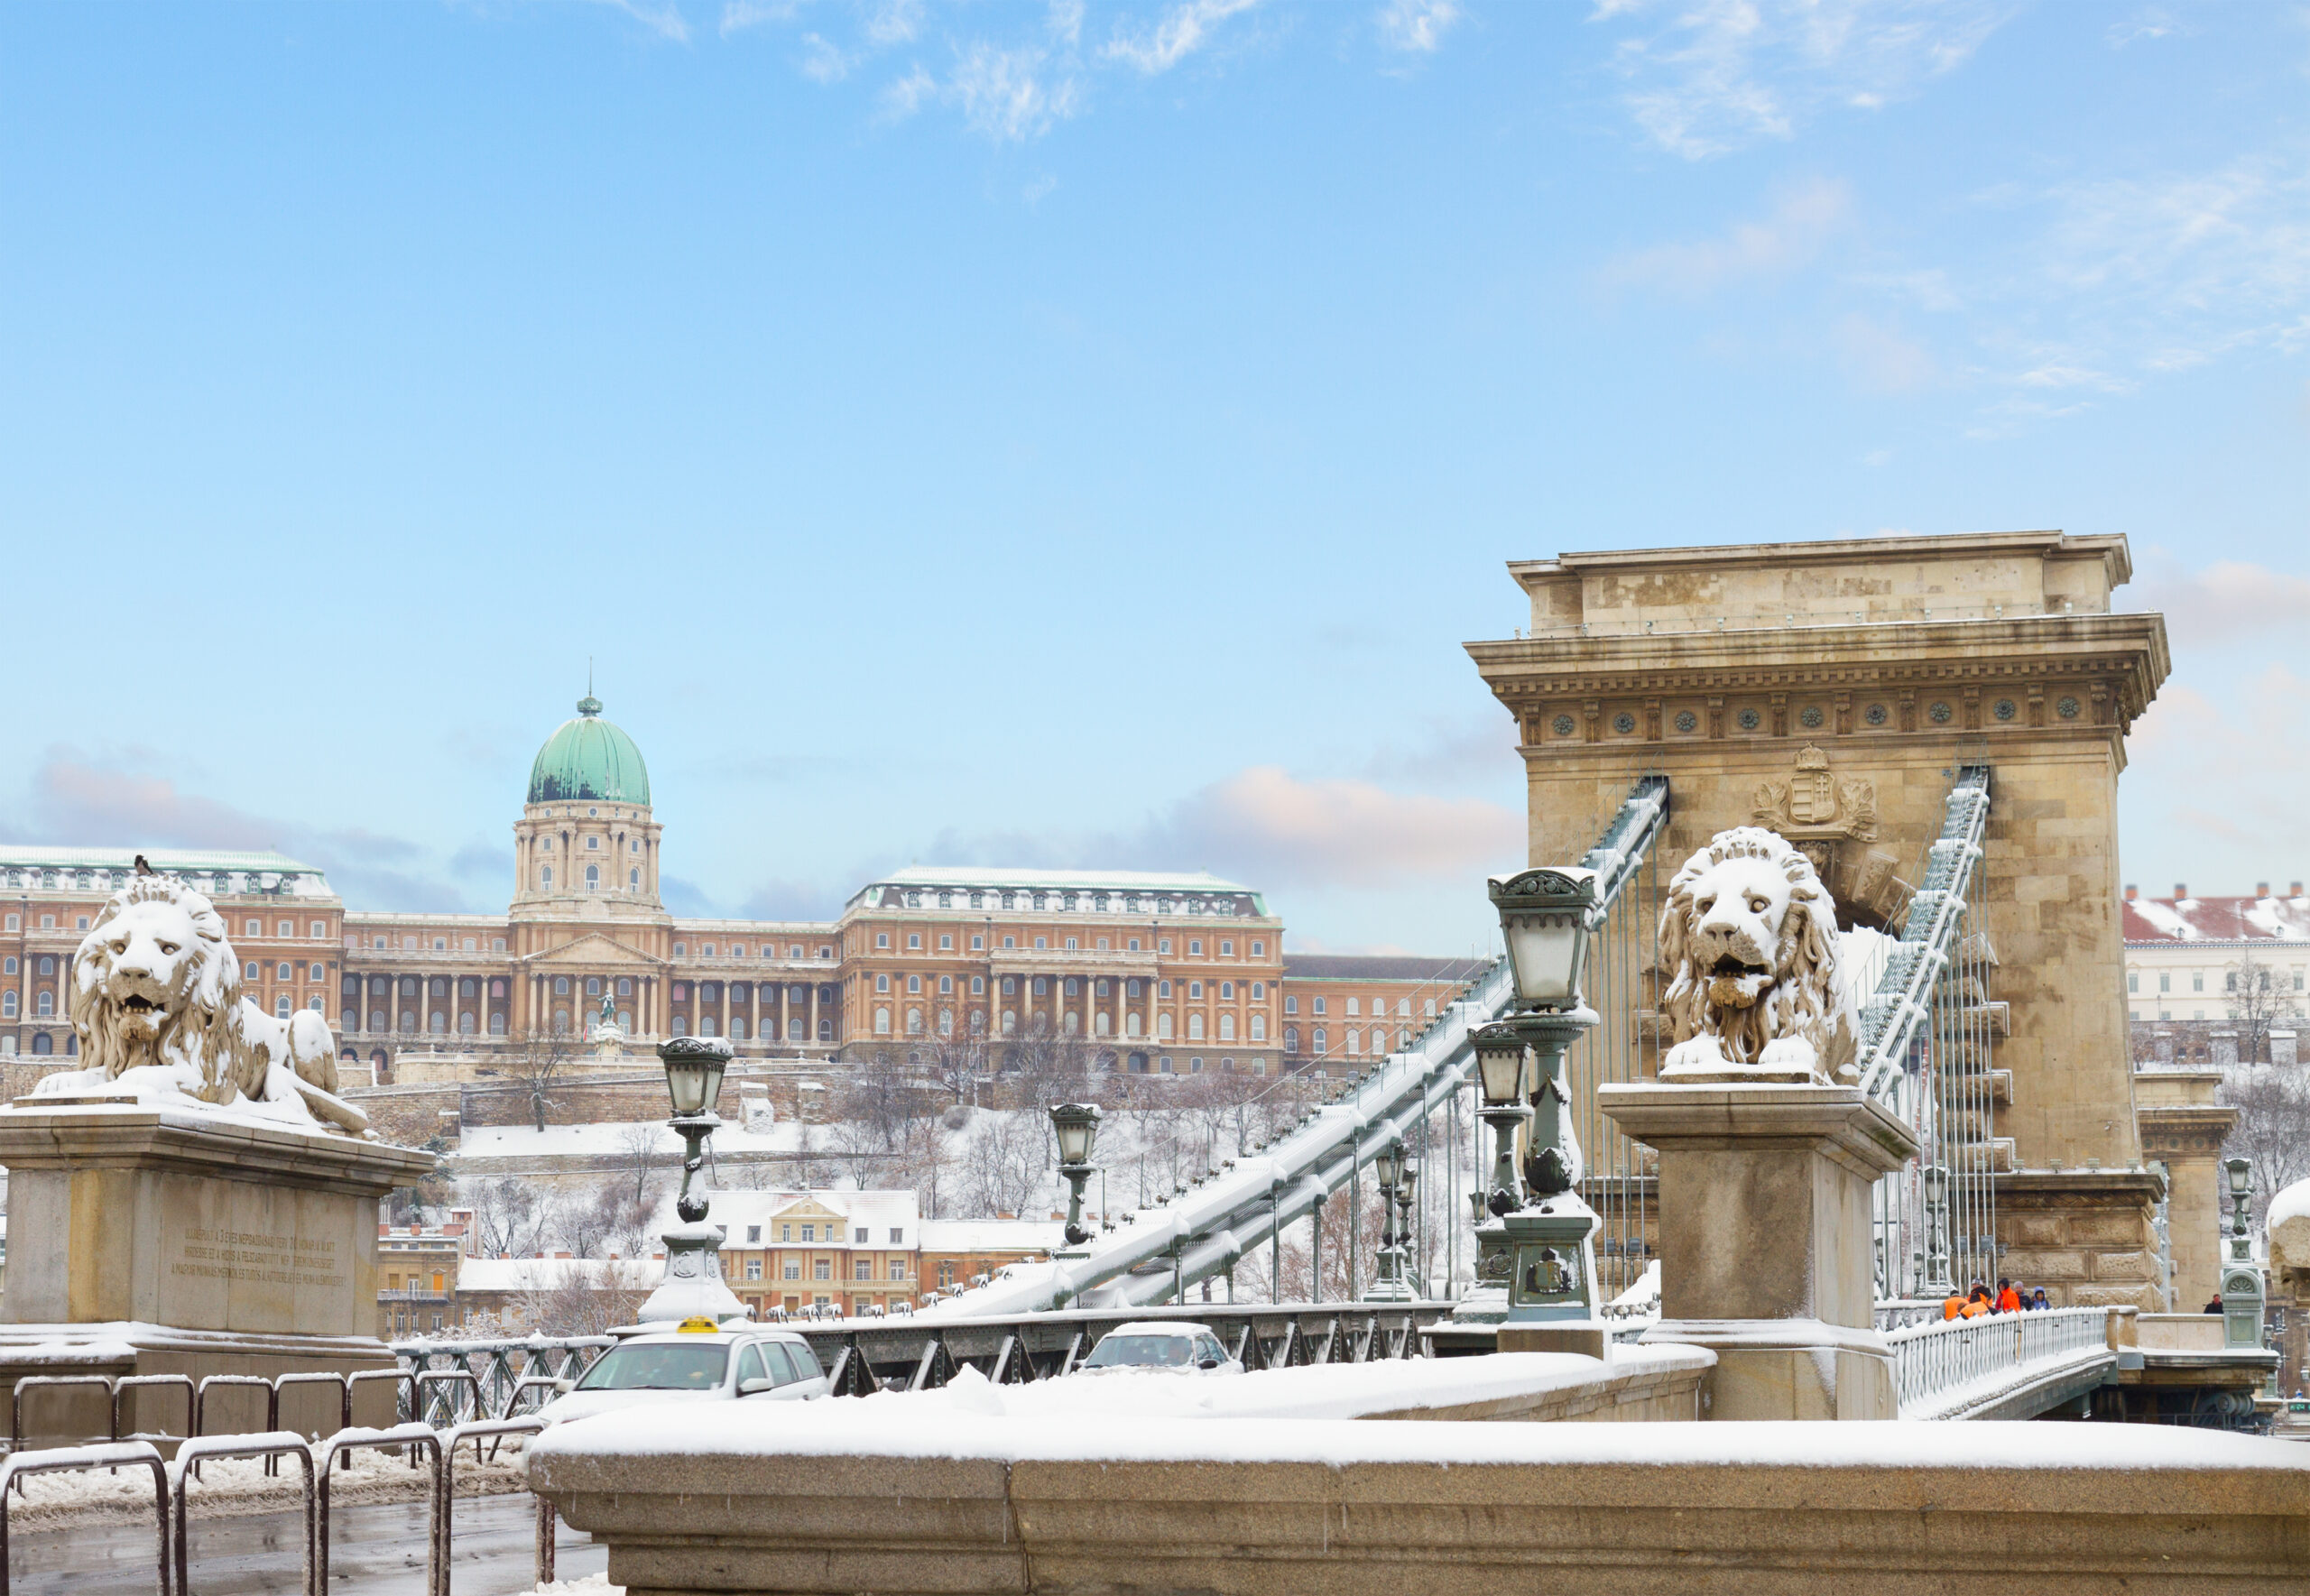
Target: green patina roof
[589,759]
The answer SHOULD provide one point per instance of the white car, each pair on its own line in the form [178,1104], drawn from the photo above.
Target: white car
[1163,1346]
[694,1366]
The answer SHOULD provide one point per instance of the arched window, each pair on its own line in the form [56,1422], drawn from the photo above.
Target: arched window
[560,1022]
[593,878]
[497,988]
[280,971]
[561,986]
[1259,1028]
[44,1004]
[978,1021]
[1071,1022]
[465,1025]
[1318,1041]
[826,1030]
[1195,1028]
[882,1022]
[1226,1028]
[545,876]
[42,1043]
[1162,1028]
[7,1005]
[466,988]
[625,1020]
[497,1025]
[1010,1022]
[914,1023]
[438,1023]
[1130,1025]
[408,1019]
[593,986]
[48,966]
[1355,1041]
[439,987]
[376,1020]
[914,983]
[737,1030]
[626,986]
[945,1022]
[706,1024]
[249,972]
[1291,1038]
[313,972]
[634,880]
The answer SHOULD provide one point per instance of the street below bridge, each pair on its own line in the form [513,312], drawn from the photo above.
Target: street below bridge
[376,1550]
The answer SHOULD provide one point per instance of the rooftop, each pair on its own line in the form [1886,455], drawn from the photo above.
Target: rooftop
[2159,922]
[1301,966]
[1136,891]
[302,880]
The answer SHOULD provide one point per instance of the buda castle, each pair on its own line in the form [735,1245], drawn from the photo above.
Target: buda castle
[1170,974]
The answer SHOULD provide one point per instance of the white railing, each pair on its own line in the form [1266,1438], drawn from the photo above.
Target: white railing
[1941,1370]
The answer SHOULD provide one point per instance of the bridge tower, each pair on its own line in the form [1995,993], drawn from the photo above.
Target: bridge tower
[1830,691]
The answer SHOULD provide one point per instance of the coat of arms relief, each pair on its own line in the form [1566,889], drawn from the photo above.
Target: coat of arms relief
[1831,819]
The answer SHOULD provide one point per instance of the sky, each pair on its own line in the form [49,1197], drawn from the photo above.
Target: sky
[1084,434]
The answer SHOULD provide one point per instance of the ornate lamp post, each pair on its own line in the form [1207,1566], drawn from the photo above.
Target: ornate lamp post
[1406,1190]
[1552,1283]
[1388,1164]
[692,1292]
[2241,1277]
[1076,1126]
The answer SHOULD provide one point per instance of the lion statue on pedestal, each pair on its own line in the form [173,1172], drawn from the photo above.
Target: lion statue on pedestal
[1761,984]
[156,1003]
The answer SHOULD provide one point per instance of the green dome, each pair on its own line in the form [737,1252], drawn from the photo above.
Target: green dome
[588,759]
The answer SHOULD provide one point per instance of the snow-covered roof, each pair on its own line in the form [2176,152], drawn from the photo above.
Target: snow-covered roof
[529,1274]
[991,1235]
[545,1274]
[1132,890]
[2159,922]
[878,1213]
[257,871]
[609,1137]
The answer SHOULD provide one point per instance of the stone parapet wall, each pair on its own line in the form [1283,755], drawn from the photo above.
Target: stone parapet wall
[889,1499]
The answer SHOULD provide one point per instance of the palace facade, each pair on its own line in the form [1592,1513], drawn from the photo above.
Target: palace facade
[1167,973]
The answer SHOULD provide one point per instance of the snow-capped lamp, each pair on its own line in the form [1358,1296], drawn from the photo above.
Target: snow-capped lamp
[1076,1126]
[692,1292]
[1545,923]
[2241,1276]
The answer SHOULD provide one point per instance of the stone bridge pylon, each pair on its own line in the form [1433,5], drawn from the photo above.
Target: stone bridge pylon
[1831,692]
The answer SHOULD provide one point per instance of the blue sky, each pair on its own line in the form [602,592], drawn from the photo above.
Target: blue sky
[1084,434]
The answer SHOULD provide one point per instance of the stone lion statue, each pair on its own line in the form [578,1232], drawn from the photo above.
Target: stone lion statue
[1761,981]
[156,1001]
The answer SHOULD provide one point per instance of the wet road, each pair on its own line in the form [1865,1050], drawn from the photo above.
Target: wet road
[377,1550]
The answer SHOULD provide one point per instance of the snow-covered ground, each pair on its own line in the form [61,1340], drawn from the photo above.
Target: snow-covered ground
[234,1487]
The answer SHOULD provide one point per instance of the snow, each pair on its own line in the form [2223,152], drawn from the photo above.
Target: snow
[610,1139]
[593,1584]
[233,1487]
[166,1088]
[2163,919]
[852,1428]
[2293,1202]
[1317,1391]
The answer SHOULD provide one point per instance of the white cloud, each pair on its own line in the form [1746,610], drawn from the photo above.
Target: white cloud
[738,15]
[1178,35]
[904,98]
[822,62]
[1416,26]
[1789,237]
[664,19]
[1717,74]
[2227,603]
[1009,94]
[2215,778]
[1882,359]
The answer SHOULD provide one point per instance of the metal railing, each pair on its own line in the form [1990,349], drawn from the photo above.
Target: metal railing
[486,1377]
[1941,1370]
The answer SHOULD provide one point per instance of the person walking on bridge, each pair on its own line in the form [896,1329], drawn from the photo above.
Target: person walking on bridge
[1977,1303]
[2008,1301]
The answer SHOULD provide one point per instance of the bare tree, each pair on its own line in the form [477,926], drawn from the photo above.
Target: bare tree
[2273,1127]
[540,1059]
[2260,997]
[638,1156]
[510,1216]
[1006,1164]
[858,1149]
[582,1297]
[955,1063]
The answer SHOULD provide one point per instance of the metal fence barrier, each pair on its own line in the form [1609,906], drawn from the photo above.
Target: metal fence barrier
[110,1454]
[270,1447]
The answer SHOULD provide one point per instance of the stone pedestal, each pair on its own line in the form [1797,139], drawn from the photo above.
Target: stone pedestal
[1765,1250]
[169,1240]
[2184,1128]
[2088,1236]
